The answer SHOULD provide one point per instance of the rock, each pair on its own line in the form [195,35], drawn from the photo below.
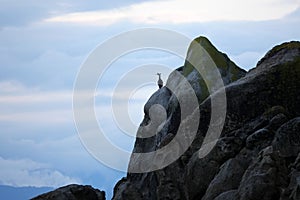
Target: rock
[229,195]
[129,191]
[296,164]
[263,177]
[287,138]
[227,179]
[203,168]
[177,87]
[262,138]
[204,60]
[168,188]
[280,54]
[73,192]
[277,121]
[255,155]
[292,192]
[273,111]
[209,166]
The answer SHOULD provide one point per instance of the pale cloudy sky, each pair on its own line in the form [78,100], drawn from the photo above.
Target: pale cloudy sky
[179,12]
[44,43]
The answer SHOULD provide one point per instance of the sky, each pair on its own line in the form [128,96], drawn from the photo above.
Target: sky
[43,45]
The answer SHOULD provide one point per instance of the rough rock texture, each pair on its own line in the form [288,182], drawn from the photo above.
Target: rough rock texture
[73,192]
[256,157]
[154,185]
[258,153]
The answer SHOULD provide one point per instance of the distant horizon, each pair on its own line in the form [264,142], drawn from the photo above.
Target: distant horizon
[15,193]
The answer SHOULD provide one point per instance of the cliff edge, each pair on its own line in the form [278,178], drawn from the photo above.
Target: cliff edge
[257,155]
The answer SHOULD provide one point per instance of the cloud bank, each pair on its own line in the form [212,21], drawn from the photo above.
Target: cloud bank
[179,12]
[21,173]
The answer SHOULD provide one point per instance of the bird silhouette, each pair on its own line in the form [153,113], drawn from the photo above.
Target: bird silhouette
[160,82]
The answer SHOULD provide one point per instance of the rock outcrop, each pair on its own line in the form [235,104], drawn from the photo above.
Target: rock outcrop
[258,152]
[73,192]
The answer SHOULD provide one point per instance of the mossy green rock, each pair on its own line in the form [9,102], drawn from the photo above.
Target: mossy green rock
[275,81]
[220,59]
[203,57]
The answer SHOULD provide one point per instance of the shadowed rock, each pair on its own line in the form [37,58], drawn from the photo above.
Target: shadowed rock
[73,192]
[255,156]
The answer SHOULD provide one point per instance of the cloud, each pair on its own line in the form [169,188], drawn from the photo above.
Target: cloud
[22,104]
[25,172]
[13,91]
[178,12]
[11,86]
[51,162]
[31,105]
[19,13]
[46,117]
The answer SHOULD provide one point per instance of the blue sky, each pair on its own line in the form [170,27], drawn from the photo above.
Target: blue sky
[43,45]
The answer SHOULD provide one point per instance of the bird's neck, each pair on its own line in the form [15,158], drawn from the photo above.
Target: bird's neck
[159,76]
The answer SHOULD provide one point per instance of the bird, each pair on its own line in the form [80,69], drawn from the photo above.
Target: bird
[160,82]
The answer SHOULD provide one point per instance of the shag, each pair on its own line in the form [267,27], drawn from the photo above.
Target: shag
[160,82]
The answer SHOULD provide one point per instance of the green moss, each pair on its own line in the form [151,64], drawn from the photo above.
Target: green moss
[236,72]
[204,91]
[286,45]
[187,69]
[276,49]
[220,59]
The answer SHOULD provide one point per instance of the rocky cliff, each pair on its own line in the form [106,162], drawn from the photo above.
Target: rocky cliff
[257,155]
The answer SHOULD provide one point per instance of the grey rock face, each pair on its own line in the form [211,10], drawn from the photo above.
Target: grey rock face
[228,195]
[228,178]
[257,155]
[293,190]
[169,182]
[257,138]
[264,177]
[287,138]
[73,192]
[280,54]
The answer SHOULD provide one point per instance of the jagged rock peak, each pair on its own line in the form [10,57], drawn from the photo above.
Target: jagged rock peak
[200,59]
[204,41]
